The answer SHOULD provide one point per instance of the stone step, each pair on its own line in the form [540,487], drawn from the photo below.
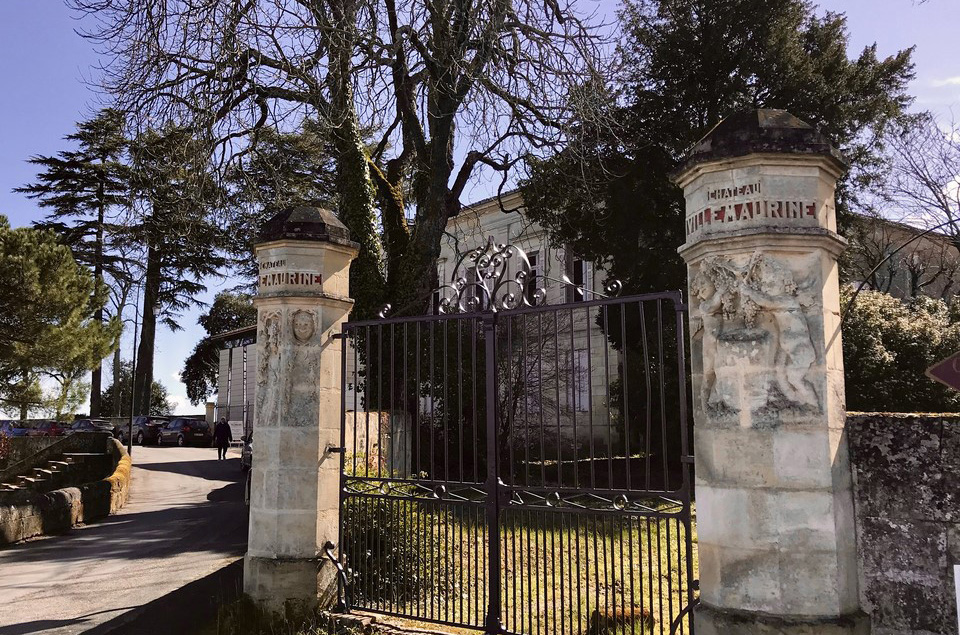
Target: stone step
[39,472]
[59,464]
[33,482]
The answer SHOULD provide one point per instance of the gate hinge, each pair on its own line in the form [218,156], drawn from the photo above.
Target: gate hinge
[333,449]
[338,336]
[686,458]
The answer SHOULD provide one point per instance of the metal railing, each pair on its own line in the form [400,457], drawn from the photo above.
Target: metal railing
[521,471]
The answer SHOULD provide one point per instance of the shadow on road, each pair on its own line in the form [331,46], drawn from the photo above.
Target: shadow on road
[183,610]
[210,469]
[148,534]
[37,626]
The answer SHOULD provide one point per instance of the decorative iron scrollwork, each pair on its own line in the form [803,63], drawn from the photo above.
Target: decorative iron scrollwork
[481,281]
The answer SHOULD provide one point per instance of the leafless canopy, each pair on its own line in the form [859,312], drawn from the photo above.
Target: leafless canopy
[504,75]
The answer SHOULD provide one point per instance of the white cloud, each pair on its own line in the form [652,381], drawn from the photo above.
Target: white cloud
[949,81]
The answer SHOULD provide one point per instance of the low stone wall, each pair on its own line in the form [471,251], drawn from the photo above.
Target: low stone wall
[29,452]
[57,511]
[24,447]
[906,475]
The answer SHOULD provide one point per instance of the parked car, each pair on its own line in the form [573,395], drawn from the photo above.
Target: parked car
[146,430]
[183,431]
[47,429]
[90,425]
[13,429]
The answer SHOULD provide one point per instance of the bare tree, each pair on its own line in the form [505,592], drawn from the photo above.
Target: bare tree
[909,242]
[420,97]
[923,182]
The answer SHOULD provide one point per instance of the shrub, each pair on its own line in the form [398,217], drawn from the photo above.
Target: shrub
[384,540]
[888,345]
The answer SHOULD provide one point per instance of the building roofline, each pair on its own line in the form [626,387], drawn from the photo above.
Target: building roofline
[235,333]
[485,202]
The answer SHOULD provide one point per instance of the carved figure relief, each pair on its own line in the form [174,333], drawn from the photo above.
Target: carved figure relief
[304,325]
[761,304]
[301,370]
[268,367]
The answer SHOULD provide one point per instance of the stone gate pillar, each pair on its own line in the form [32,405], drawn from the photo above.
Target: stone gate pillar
[773,485]
[304,257]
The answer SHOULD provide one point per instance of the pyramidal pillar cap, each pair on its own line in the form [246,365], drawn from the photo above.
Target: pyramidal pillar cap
[759,131]
[760,175]
[307,223]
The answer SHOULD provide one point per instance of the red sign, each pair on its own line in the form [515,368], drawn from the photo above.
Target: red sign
[947,372]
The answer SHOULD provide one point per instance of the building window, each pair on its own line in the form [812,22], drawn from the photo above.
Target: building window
[581,274]
[530,286]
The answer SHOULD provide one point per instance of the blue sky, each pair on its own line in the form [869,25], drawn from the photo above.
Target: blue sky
[45,69]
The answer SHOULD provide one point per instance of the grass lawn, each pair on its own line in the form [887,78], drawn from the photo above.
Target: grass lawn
[562,572]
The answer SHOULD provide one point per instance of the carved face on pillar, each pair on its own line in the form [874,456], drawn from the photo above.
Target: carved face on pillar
[303,325]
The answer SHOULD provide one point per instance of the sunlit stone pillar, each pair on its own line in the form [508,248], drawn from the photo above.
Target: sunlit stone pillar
[773,487]
[304,257]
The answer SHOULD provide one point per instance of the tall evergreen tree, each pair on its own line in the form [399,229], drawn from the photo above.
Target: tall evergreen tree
[116,396]
[201,369]
[87,192]
[48,324]
[687,64]
[175,219]
[281,170]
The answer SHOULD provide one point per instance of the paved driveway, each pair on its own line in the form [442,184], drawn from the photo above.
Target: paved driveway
[184,521]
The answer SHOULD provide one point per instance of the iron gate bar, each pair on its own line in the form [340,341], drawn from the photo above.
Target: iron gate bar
[536,524]
[493,499]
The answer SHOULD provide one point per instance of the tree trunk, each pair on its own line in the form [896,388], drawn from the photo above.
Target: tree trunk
[116,382]
[96,375]
[354,185]
[143,373]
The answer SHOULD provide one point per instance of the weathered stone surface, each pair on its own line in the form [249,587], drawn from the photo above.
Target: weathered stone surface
[905,485]
[305,223]
[775,510]
[762,130]
[301,304]
[713,621]
[891,460]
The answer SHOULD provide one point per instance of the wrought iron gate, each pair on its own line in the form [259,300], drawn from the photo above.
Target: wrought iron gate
[522,470]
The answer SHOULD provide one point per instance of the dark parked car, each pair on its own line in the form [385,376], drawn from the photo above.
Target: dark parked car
[147,429]
[13,429]
[47,429]
[90,425]
[184,431]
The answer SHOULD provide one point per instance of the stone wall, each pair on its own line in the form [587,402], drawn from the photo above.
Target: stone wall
[34,514]
[906,475]
[27,453]
[24,447]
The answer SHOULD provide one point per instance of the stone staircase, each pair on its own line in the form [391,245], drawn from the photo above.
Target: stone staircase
[68,469]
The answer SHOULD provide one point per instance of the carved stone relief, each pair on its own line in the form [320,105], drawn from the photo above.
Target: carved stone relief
[288,367]
[304,325]
[268,370]
[758,314]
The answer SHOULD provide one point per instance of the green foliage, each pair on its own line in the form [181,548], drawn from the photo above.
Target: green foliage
[383,543]
[47,327]
[282,170]
[177,203]
[688,64]
[87,193]
[201,369]
[159,405]
[245,617]
[887,346]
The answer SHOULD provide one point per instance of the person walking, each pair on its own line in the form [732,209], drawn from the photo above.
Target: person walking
[222,436]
